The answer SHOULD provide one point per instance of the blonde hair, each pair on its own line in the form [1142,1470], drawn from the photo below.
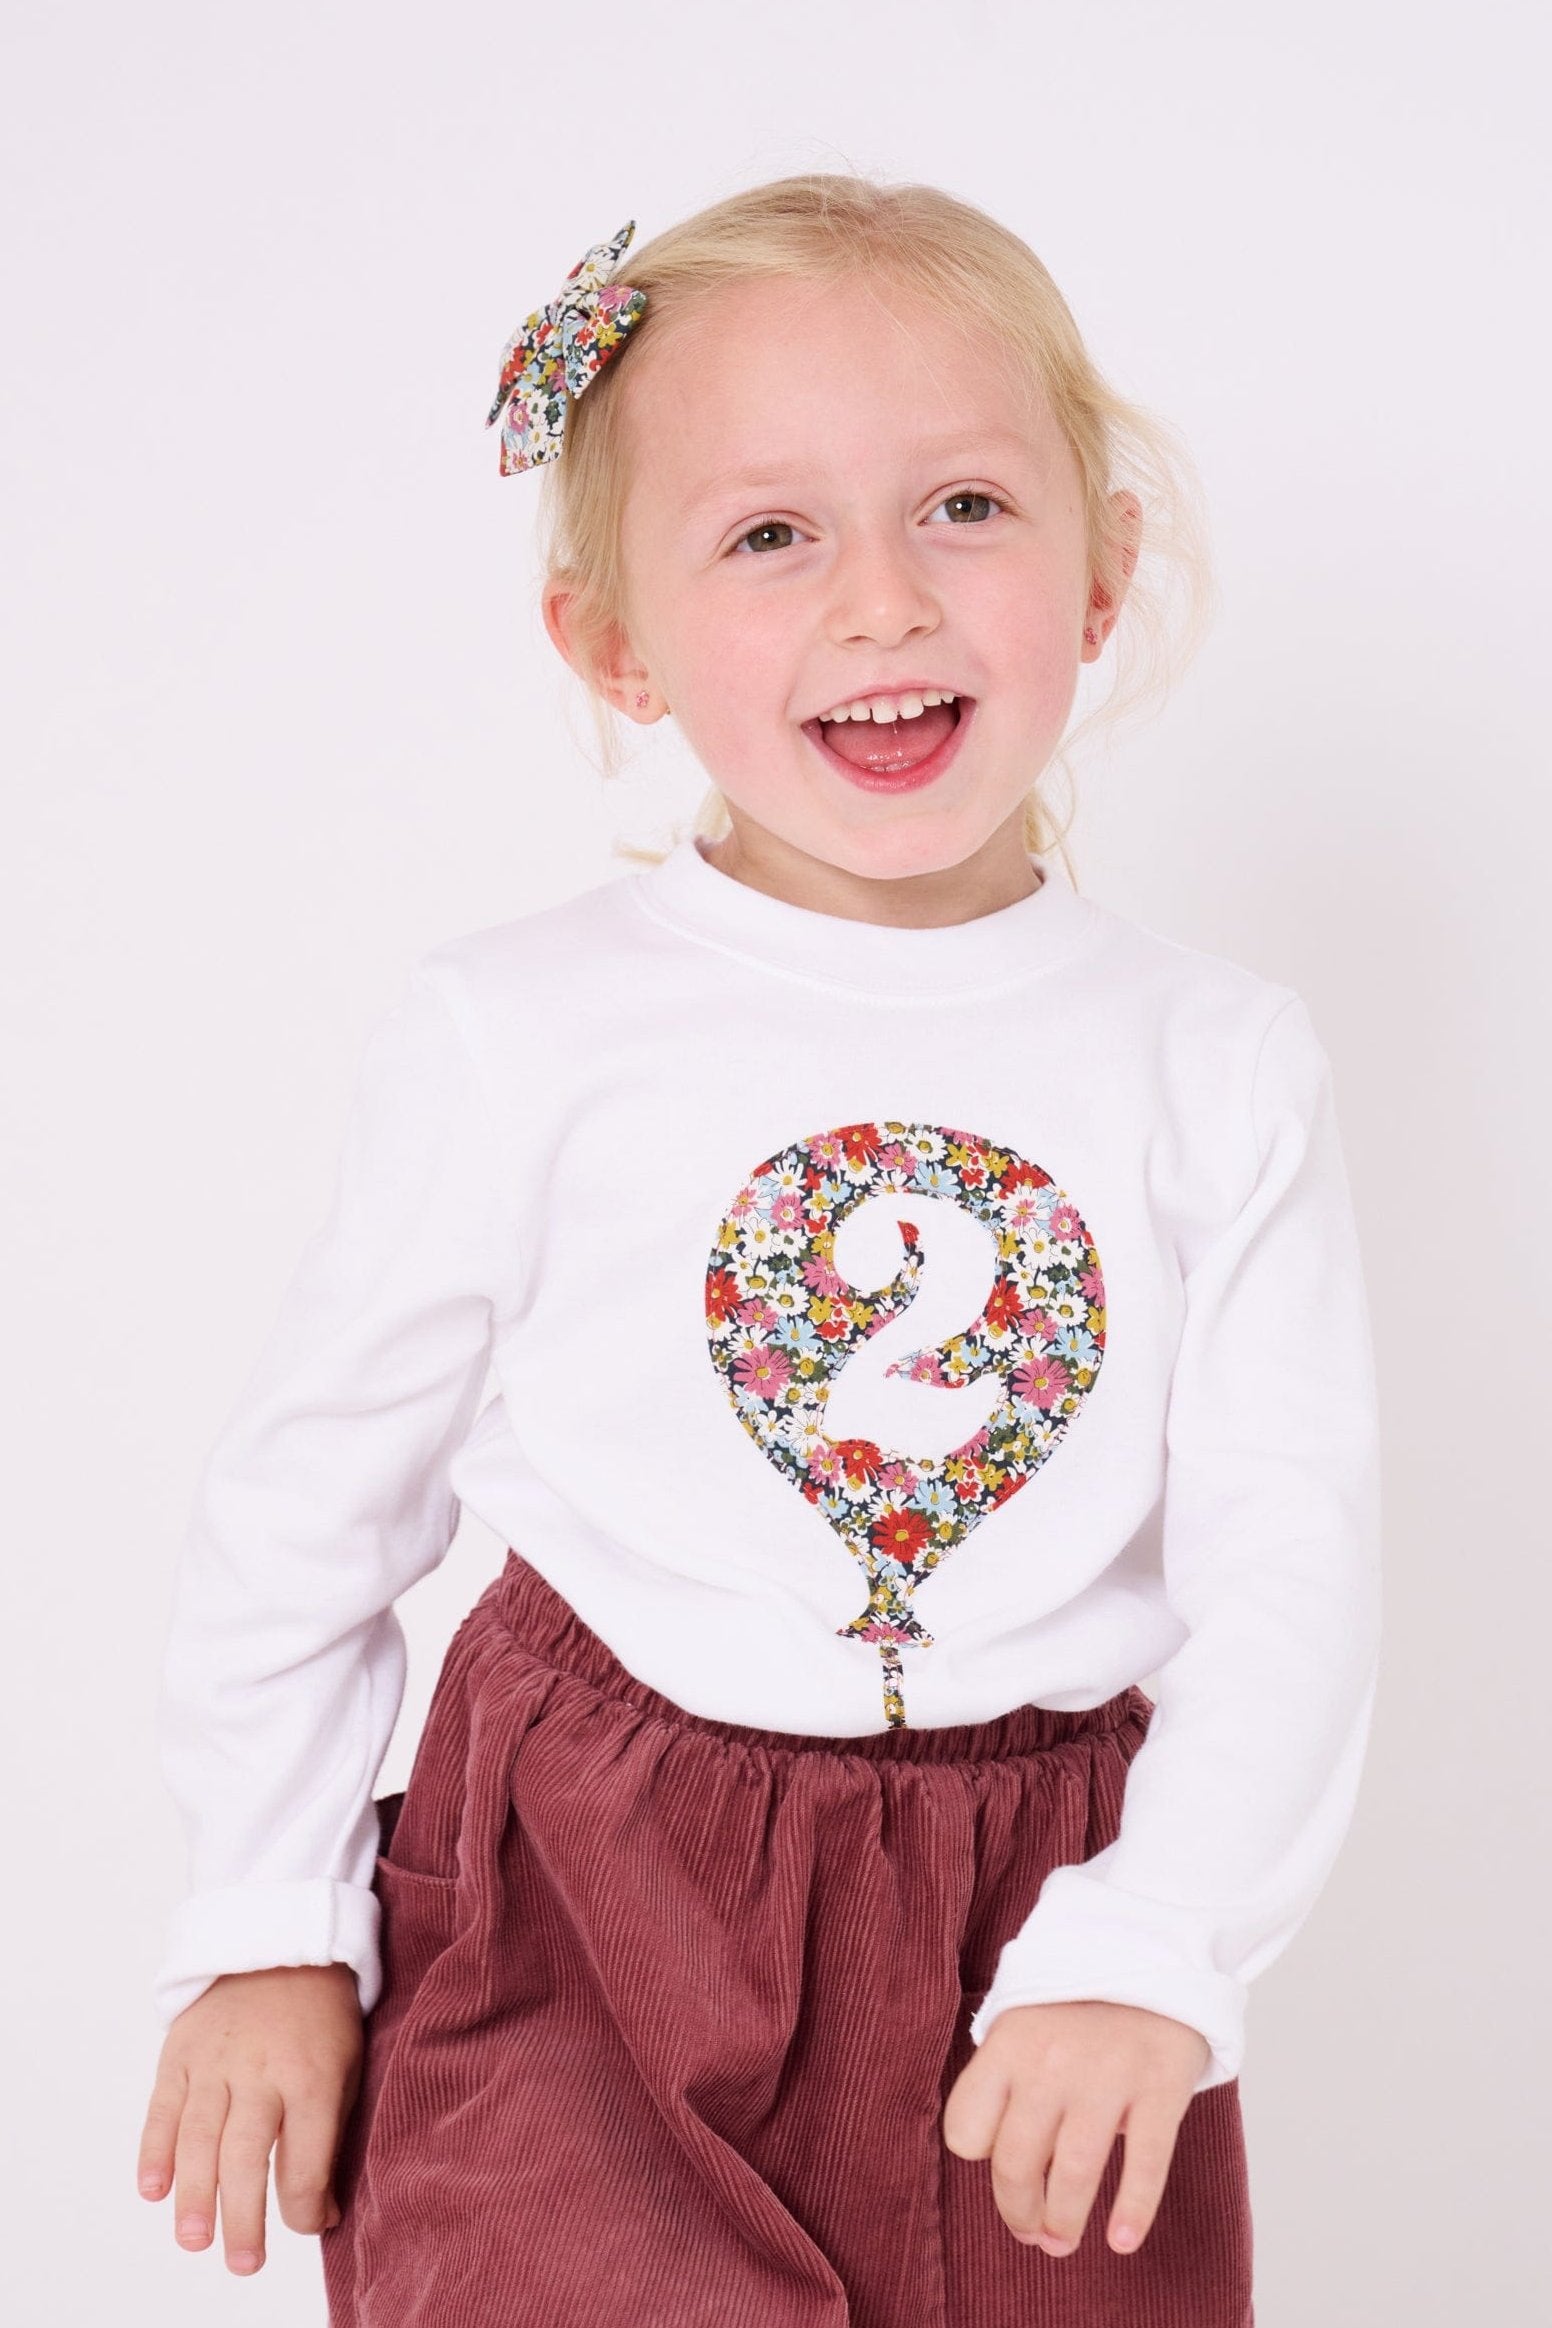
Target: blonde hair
[821,228]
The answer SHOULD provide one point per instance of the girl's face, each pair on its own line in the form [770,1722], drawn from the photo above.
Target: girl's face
[832,500]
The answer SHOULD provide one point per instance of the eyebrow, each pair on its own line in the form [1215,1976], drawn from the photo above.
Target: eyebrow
[956,446]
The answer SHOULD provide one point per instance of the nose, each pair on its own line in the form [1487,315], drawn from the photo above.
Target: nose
[878,592]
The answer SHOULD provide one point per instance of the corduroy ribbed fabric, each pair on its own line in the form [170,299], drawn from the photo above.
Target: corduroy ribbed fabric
[671,2008]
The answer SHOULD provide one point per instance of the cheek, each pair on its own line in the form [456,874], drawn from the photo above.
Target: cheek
[736,669]
[1028,628]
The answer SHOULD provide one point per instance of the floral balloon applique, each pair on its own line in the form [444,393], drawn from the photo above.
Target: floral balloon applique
[782,1324]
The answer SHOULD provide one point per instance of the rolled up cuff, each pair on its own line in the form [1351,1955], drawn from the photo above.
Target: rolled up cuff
[249,1927]
[1087,1940]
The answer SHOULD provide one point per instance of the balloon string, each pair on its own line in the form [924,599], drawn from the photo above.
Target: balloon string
[894,1685]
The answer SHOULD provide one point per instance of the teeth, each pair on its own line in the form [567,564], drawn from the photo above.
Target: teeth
[889,707]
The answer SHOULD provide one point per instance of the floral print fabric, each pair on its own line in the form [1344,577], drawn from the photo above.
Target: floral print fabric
[558,349]
[782,1324]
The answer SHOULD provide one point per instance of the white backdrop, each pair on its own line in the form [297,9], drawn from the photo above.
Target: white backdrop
[281,714]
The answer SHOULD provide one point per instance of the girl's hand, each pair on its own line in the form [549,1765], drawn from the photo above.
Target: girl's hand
[258,2054]
[1047,2091]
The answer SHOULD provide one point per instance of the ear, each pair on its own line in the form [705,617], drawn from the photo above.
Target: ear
[619,674]
[1099,618]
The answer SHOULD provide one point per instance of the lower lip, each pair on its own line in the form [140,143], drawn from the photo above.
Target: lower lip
[904,779]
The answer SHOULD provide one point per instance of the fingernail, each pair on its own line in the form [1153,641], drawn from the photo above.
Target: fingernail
[152,2185]
[193,2227]
[1123,2236]
[245,2259]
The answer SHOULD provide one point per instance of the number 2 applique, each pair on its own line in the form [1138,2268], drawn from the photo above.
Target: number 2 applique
[782,1323]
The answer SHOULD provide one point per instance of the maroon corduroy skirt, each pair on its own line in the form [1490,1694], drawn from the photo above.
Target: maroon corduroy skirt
[671,2008]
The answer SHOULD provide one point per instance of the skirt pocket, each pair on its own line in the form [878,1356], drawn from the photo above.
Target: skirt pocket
[419,1909]
[419,1920]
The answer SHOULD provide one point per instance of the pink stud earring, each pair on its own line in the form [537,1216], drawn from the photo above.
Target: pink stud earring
[642,702]
[1091,636]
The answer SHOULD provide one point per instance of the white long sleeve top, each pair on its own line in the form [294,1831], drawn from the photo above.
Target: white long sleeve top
[885,1324]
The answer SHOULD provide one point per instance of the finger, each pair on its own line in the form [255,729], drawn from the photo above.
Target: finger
[250,2129]
[974,2107]
[1020,2157]
[1152,2125]
[1084,2142]
[159,2134]
[304,2160]
[194,2162]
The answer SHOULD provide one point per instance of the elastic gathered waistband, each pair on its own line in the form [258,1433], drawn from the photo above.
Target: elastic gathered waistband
[545,1625]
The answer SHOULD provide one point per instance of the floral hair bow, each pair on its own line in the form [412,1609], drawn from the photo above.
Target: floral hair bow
[558,350]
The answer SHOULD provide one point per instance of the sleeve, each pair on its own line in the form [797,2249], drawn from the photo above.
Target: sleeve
[1241,1793]
[326,1495]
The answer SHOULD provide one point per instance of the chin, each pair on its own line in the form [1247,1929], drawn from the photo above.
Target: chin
[905,848]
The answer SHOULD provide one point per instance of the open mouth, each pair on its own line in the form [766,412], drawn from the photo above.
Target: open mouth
[893,755]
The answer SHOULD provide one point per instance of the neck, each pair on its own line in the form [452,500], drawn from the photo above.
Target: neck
[996,874]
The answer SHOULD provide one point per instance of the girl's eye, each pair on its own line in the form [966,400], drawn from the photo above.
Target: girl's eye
[951,499]
[767,525]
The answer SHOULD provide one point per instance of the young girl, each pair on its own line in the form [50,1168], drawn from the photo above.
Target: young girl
[922,1304]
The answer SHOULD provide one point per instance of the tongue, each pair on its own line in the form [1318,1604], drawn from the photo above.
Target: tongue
[887,746]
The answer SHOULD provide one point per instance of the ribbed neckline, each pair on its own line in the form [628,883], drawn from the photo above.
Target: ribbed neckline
[1019,941]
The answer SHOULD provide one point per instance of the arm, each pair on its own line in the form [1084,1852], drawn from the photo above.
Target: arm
[324,1497]
[1239,1797]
